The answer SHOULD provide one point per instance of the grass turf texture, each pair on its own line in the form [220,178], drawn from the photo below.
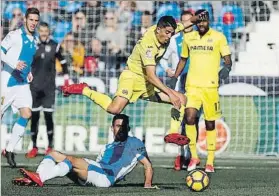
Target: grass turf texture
[233,177]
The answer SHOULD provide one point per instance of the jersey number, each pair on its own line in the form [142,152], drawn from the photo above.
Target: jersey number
[217,106]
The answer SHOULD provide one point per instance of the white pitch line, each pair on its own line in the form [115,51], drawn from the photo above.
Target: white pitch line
[169,166]
[226,167]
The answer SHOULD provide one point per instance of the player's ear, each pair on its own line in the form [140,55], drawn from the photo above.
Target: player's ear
[158,29]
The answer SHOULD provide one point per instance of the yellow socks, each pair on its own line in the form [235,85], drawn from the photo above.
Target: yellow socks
[191,133]
[99,98]
[211,146]
[175,124]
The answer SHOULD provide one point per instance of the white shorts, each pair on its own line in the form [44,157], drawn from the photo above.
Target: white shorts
[95,176]
[16,96]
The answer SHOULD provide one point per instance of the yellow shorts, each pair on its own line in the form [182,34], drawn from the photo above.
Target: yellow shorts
[133,86]
[208,98]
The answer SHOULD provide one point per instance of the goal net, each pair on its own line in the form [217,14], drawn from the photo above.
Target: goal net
[97,37]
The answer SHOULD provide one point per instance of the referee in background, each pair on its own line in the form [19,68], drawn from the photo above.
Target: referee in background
[43,85]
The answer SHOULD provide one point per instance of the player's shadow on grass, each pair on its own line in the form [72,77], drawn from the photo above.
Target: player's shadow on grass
[161,185]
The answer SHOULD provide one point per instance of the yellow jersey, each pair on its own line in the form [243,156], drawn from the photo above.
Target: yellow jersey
[205,56]
[147,51]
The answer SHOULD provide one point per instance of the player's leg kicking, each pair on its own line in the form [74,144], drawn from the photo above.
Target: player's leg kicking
[130,88]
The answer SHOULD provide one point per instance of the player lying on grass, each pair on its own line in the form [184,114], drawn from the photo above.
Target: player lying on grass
[139,78]
[114,162]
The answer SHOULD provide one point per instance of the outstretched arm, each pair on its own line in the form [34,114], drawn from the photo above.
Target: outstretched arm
[148,172]
[180,66]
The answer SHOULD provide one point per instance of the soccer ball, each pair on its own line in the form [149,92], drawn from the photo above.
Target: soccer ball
[197,180]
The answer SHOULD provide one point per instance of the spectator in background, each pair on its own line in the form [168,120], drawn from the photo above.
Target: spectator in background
[70,6]
[124,14]
[11,5]
[81,30]
[74,52]
[145,6]
[15,22]
[169,8]
[95,61]
[93,11]
[135,33]
[113,38]
[136,14]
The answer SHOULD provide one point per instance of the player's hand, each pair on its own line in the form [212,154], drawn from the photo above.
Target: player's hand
[30,77]
[224,73]
[201,17]
[17,75]
[170,72]
[151,187]
[175,101]
[20,65]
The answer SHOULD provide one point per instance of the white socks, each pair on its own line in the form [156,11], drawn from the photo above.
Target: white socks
[48,169]
[17,133]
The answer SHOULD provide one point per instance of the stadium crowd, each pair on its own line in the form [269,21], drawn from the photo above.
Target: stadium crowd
[99,36]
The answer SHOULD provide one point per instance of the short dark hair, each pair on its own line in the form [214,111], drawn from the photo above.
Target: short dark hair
[202,10]
[44,24]
[186,12]
[124,117]
[146,12]
[32,10]
[167,21]
[123,131]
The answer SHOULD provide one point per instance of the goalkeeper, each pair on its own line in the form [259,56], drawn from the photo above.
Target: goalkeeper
[139,78]
[204,48]
[112,164]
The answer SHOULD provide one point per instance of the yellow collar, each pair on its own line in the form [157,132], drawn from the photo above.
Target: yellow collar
[158,44]
[207,33]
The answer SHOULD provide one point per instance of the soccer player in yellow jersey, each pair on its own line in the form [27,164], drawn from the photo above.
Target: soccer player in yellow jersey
[139,78]
[205,48]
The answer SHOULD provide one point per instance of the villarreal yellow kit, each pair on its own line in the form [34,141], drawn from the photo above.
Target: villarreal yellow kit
[148,51]
[202,79]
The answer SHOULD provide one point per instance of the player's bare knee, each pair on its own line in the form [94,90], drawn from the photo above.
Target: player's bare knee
[58,157]
[189,119]
[210,125]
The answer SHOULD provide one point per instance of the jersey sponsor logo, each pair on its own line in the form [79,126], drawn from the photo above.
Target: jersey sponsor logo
[148,54]
[203,48]
[222,140]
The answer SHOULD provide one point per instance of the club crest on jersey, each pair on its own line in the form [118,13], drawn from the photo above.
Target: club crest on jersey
[210,40]
[148,54]
[125,92]
[47,48]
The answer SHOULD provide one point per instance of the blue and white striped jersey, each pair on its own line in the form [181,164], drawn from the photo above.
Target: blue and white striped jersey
[173,52]
[17,46]
[119,158]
